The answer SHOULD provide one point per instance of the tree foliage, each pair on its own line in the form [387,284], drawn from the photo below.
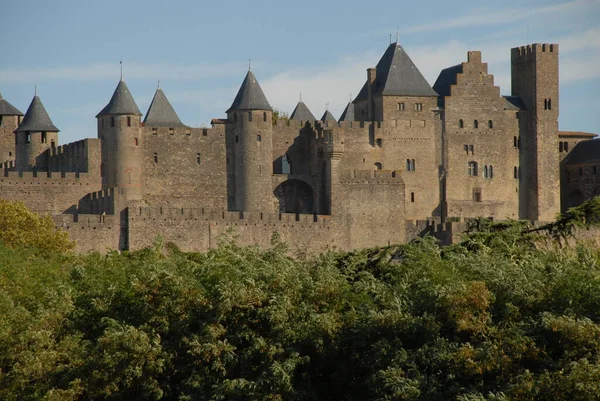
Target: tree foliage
[492,318]
[20,227]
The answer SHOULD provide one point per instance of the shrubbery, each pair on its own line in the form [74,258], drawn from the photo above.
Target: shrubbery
[493,318]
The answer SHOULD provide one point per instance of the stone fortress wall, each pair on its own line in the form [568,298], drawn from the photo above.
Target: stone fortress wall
[404,160]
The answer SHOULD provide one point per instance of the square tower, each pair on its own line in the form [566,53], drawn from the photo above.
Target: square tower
[534,71]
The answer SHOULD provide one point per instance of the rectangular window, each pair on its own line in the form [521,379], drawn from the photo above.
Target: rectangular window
[1,121]
[476,194]
[129,121]
[471,149]
[418,106]
[44,137]
[400,106]
[412,197]
[155,157]
[249,116]
[198,158]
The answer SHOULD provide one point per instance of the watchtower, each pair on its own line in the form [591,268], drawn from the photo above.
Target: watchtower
[534,71]
[122,146]
[250,137]
[10,118]
[34,136]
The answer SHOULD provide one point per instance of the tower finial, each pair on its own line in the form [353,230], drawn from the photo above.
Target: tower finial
[35,90]
[327,106]
[249,64]
[300,96]
[158,84]
[121,63]
[397,34]
[350,96]
[390,38]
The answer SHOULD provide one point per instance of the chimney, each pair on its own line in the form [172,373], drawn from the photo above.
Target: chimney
[371,75]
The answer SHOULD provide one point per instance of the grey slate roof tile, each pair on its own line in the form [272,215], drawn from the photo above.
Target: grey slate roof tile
[348,113]
[161,113]
[37,118]
[327,116]
[397,75]
[584,152]
[513,103]
[121,102]
[250,96]
[302,113]
[7,109]
[446,79]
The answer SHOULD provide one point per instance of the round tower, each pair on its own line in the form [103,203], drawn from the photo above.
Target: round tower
[251,137]
[34,136]
[10,118]
[119,130]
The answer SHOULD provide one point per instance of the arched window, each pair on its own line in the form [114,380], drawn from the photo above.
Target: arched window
[258,138]
[475,124]
[410,164]
[129,121]
[485,171]
[461,123]
[490,124]
[155,157]
[198,158]
[135,141]
[491,171]
[472,170]
[379,142]
[378,166]
[265,116]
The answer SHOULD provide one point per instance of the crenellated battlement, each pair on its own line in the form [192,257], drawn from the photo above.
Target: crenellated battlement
[528,52]
[54,178]
[226,217]
[196,132]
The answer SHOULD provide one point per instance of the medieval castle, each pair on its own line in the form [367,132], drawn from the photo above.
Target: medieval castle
[402,158]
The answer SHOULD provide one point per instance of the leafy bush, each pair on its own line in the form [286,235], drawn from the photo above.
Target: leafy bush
[492,318]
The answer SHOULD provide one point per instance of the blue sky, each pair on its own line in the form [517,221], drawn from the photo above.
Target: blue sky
[199,51]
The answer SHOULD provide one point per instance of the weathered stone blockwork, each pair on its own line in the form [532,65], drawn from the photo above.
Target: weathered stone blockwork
[402,160]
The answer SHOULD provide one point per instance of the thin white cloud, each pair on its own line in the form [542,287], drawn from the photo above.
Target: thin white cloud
[495,17]
[105,71]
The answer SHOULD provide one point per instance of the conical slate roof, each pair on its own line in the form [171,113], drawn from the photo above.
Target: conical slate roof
[161,113]
[250,96]
[348,113]
[302,113]
[327,116]
[37,118]
[7,109]
[397,75]
[121,102]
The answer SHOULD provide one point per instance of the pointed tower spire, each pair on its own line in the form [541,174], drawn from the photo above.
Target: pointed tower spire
[7,109]
[121,102]
[161,113]
[37,118]
[397,75]
[327,116]
[250,96]
[302,113]
[348,113]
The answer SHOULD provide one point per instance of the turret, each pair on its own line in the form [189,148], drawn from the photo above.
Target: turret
[34,136]
[348,113]
[251,147]
[122,145]
[10,118]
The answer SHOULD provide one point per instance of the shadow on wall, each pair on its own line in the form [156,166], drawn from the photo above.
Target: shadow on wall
[294,196]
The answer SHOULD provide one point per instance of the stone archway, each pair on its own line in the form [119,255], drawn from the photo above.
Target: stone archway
[295,196]
[576,198]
